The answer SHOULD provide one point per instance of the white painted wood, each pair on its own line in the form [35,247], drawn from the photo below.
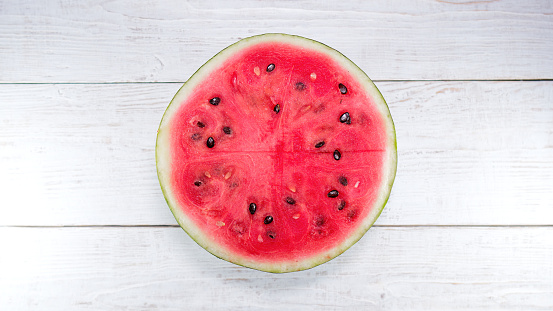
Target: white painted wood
[470,153]
[389,269]
[110,41]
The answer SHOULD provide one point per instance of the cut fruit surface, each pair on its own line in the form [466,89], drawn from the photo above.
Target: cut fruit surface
[278,154]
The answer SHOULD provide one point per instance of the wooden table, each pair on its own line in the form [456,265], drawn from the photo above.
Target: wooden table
[84,225]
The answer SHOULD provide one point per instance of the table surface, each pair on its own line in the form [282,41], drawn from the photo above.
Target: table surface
[84,225]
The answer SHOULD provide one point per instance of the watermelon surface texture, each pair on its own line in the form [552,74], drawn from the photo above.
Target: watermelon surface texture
[278,154]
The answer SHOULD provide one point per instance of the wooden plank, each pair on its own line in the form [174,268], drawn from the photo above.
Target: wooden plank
[115,41]
[389,269]
[470,153]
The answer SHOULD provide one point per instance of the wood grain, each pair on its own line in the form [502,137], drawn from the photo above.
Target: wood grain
[83,223]
[119,41]
[470,153]
[389,269]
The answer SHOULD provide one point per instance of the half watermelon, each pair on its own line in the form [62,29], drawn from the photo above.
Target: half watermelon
[278,154]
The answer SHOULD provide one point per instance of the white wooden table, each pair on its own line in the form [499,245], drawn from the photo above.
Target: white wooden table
[83,223]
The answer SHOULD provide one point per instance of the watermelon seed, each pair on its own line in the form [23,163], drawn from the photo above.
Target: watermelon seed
[226,130]
[210,143]
[345,118]
[271,234]
[268,220]
[300,86]
[332,193]
[319,221]
[343,180]
[343,88]
[197,183]
[320,144]
[256,71]
[227,175]
[215,101]
[220,224]
[313,76]
[290,200]
[200,124]
[357,184]
[196,136]
[337,155]
[292,188]
[352,215]
[341,205]
[207,174]
[252,208]
[234,80]
[296,216]
[271,67]
[277,108]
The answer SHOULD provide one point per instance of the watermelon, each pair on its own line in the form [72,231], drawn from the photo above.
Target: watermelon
[278,154]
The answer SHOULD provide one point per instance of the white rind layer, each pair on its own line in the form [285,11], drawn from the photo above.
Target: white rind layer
[163,155]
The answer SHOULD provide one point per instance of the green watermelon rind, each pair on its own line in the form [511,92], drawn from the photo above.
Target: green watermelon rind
[163,156]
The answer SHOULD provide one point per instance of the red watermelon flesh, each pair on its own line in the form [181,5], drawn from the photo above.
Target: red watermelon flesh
[278,154]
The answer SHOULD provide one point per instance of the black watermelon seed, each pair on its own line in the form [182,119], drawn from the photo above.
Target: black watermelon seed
[290,200]
[215,101]
[277,108]
[337,155]
[268,220]
[343,88]
[332,193]
[341,205]
[271,67]
[226,130]
[343,180]
[200,124]
[345,118]
[197,183]
[271,234]
[300,86]
[210,143]
[196,136]
[252,208]
[320,144]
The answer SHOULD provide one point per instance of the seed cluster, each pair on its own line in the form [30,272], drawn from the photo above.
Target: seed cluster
[344,118]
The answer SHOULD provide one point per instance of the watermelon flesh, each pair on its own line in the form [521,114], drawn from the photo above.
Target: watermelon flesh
[278,154]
